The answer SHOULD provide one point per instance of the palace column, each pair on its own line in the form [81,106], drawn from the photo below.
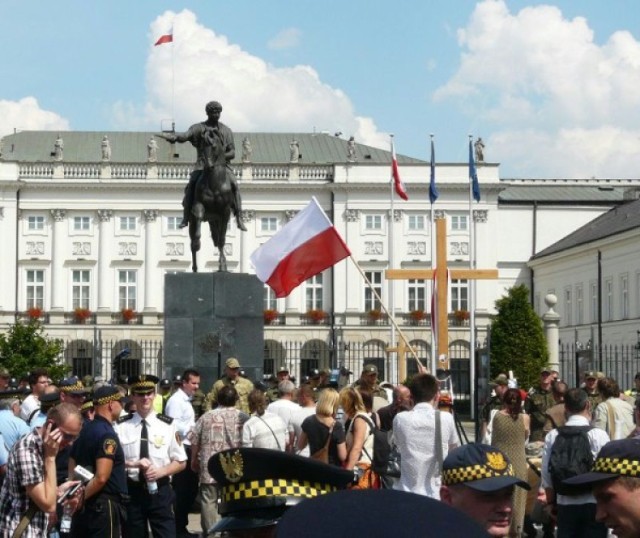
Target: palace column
[104,301]
[57,259]
[150,262]
[246,216]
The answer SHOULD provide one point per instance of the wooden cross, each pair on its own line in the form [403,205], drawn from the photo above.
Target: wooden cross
[401,350]
[442,285]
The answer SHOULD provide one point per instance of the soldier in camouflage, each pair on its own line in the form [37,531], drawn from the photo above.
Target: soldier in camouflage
[369,382]
[231,378]
[282,374]
[591,388]
[538,400]
[500,385]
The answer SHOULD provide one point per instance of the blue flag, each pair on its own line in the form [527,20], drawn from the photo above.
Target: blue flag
[433,190]
[475,187]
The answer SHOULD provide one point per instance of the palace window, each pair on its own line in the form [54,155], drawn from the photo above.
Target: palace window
[35,288]
[80,288]
[127,287]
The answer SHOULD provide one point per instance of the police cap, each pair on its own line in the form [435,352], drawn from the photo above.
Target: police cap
[72,385]
[256,485]
[390,512]
[142,384]
[615,459]
[106,394]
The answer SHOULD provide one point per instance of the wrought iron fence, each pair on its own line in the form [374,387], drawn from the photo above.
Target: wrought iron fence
[109,358]
[621,362]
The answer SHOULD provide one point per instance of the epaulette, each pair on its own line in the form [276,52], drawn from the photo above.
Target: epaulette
[164,418]
[125,418]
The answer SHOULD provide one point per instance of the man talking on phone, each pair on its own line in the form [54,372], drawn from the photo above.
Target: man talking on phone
[29,492]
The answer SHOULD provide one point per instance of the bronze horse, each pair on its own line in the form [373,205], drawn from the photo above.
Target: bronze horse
[213,199]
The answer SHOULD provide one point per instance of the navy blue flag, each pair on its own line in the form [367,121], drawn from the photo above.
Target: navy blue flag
[475,187]
[433,190]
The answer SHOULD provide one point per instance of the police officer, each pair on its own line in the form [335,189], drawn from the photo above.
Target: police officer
[538,400]
[98,450]
[153,453]
[231,378]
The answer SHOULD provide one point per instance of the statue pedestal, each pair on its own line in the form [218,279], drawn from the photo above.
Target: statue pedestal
[210,317]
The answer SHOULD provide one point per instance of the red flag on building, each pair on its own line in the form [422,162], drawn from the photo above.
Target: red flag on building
[397,182]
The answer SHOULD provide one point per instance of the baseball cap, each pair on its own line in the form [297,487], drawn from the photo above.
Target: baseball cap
[480,467]
[232,362]
[501,379]
[591,374]
[370,369]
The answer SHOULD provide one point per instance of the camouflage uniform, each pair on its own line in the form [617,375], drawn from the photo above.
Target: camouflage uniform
[242,385]
[197,402]
[375,390]
[536,405]
[495,402]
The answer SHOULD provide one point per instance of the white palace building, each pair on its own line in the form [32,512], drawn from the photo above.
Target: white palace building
[89,227]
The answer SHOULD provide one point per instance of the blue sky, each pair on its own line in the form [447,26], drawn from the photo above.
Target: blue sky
[552,87]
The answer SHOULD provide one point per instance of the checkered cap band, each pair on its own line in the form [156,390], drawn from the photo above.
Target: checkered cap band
[145,386]
[621,466]
[274,488]
[72,388]
[112,398]
[460,475]
[86,405]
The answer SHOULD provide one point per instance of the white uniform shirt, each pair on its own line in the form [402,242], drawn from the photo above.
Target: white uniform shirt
[164,445]
[414,433]
[179,408]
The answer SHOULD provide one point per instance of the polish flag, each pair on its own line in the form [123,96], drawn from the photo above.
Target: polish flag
[307,245]
[166,38]
[400,190]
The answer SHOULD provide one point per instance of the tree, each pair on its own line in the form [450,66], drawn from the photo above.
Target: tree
[25,346]
[517,338]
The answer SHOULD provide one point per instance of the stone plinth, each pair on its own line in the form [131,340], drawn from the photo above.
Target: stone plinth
[212,314]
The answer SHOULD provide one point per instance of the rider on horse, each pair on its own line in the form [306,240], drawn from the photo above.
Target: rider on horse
[200,135]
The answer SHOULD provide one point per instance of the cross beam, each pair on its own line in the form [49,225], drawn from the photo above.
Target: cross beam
[442,306]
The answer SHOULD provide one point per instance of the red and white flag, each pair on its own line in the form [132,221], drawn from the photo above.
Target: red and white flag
[307,245]
[165,38]
[397,182]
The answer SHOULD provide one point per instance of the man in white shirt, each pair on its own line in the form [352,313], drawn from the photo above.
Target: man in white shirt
[185,483]
[576,512]
[285,408]
[307,407]
[38,381]
[415,436]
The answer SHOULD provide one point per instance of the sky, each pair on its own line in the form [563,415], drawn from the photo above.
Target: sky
[553,88]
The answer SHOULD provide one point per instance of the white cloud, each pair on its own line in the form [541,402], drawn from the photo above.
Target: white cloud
[541,78]
[286,39]
[255,96]
[26,114]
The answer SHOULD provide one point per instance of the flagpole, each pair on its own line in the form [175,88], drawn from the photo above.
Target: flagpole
[472,283]
[386,311]
[173,82]
[434,336]
[390,285]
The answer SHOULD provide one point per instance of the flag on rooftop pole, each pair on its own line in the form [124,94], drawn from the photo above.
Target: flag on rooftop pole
[433,190]
[165,38]
[307,245]
[473,174]
[397,182]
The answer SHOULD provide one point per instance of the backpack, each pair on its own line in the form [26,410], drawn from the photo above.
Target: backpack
[570,456]
[384,458]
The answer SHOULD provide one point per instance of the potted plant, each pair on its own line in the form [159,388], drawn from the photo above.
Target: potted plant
[316,316]
[35,312]
[270,315]
[374,314]
[417,316]
[461,316]
[82,314]
[128,314]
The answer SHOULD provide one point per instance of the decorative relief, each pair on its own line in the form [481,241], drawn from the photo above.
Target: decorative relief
[352,215]
[175,249]
[104,215]
[416,248]
[58,214]
[459,248]
[81,248]
[247,215]
[373,247]
[150,215]
[127,249]
[439,214]
[397,215]
[35,248]
[480,215]
[289,214]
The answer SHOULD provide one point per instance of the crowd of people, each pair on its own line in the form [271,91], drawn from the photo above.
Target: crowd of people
[82,457]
